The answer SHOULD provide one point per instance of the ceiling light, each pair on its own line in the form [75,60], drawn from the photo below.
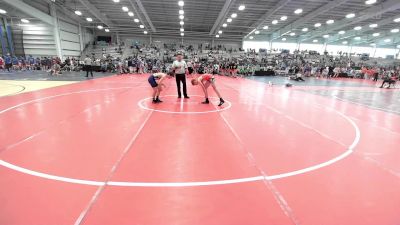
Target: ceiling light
[182,34]
[24,20]
[145,32]
[141,26]
[136,20]
[357,38]
[357,28]
[344,42]
[234,15]
[265,27]
[342,32]
[283,18]
[398,46]
[116,1]
[125,9]
[217,36]
[397,20]
[100,27]
[107,30]
[395,31]
[330,21]
[292,34]
[370,2]
[317,25]
[283,39]
[242,7]
[274,21]
[89,19]
[315,41]
[326,36]
[229,20]
[387,40]
[372,44]
[181,3]
[2,11]
[350,15]
[131,14]
[182,23]
[77,12]
[298,11]
[251,37]
[220,32]
[181,17]
[181,12]
[373,25]
[376,34]
[257,32]
[224,25]
[305,29]
[182,29]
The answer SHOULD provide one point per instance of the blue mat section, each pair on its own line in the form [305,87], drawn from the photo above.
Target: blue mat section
[387,100]
[277,80]
[382,99]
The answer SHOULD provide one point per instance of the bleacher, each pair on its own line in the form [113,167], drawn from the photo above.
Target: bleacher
[102,48]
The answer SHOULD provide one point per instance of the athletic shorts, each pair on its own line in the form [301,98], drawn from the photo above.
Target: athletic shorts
[212,80]
[152,81]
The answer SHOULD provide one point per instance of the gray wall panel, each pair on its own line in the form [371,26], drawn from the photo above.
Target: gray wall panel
[68,27]
[69,37]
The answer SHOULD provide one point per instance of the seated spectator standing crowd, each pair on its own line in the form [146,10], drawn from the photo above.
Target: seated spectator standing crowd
[53,65]
[215,60]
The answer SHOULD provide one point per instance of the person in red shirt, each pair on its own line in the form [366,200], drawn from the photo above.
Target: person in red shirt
[1,63]
[205,81]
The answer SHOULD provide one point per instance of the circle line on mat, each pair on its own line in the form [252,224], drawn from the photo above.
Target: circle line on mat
[17,168]
[141,105]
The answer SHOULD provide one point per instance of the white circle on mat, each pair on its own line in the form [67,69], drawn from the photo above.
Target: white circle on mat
[349,151]
[141,104]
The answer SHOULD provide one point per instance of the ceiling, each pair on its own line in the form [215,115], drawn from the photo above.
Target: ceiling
[204,18]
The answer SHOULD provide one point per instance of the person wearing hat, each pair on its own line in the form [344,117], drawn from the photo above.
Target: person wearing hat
[180,68]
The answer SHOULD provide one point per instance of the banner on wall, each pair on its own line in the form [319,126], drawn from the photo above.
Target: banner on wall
[3,42]
[10,41]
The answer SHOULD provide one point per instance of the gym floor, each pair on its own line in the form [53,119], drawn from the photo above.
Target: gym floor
[98,152]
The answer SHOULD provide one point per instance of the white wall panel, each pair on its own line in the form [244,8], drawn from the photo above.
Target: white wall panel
[38,32]
[68,27]
[40,52]
[36,46]
[38,42]
[70,46]
[87,36]
[69,37]
[38,39]
[71,53]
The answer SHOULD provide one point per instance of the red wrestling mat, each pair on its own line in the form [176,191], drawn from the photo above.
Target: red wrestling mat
[99,152]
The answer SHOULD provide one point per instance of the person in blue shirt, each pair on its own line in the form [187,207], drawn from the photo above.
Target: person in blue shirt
[22,63]
[15,62]
[8,61]
[30,62]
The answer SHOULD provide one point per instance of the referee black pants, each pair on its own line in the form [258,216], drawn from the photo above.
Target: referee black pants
[181,78]
[88,69]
